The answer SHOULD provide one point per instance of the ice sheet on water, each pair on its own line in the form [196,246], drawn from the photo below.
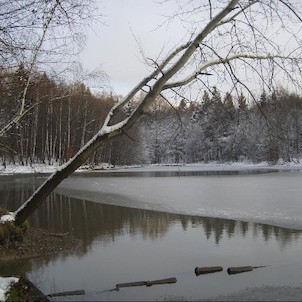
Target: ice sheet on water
[272,198]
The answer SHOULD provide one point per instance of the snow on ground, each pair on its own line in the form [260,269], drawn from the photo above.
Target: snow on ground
[40,168]
[20,169]
[213,166]
[5,284]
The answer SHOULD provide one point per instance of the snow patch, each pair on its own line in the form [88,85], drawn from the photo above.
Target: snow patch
[5,284]
[30,169]
[7,217]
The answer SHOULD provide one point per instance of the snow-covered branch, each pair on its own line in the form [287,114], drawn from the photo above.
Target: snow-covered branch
[159,69]
[202,69]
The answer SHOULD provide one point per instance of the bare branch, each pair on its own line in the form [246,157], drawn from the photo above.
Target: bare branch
[291,9]
[202,68]
[242,9]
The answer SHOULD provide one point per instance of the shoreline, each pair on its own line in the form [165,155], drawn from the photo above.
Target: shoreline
[38,243]
[211,166]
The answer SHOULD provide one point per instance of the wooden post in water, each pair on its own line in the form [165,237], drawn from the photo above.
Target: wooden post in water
[69,293]
[207,270]
[147,283]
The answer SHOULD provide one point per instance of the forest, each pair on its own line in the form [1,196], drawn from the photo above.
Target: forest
[219,126]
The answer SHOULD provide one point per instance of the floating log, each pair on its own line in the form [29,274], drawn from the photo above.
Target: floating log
[242,269]
[130,284]
[162,281]
[147,283]
[239,269]
[69,293]
[207,270]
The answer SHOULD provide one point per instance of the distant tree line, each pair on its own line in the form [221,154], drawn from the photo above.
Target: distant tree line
[62,117]
[225,128]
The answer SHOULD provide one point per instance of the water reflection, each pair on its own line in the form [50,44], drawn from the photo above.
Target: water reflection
[91,221]
[173,173]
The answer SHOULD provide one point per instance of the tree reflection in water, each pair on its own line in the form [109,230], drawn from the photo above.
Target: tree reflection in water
[91,221]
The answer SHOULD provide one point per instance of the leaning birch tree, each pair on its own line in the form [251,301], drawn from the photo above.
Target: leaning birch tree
[235,40]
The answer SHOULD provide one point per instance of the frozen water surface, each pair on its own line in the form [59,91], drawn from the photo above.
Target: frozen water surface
[272,197]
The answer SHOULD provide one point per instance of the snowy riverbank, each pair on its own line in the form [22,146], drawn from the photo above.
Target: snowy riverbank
[213,166]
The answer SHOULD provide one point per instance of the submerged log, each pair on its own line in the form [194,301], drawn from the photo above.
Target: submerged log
[147,283]
[130,284]
[242,269]
[69,293]
[239,269]
[207,270]
[161,281]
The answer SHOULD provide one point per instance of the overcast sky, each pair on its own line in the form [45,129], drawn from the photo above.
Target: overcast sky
[131,26]
[115,45]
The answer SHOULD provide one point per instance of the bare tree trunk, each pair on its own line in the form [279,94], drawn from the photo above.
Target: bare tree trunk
[84,123]
[34,134]
[46,149]
[51,145]
[68,129]
[60,152]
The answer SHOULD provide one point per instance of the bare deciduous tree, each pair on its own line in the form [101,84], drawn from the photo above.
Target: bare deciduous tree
[38,34]
[235,40]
